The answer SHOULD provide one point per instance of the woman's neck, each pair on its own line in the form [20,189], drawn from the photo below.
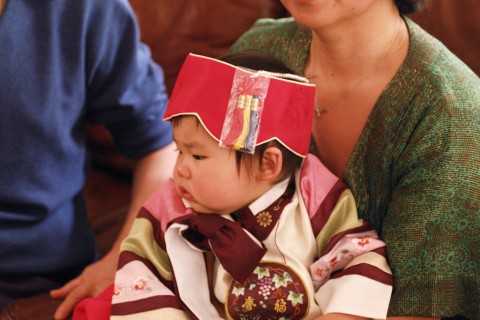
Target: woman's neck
[347,49]
[350,74]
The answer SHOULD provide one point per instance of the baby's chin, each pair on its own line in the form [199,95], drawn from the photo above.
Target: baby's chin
[203,210]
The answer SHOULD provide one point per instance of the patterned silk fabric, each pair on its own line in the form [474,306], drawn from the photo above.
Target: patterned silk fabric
[319,255]
[414,171]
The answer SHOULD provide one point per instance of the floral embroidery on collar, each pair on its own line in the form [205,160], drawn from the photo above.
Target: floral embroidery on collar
[261,224]
[264,219]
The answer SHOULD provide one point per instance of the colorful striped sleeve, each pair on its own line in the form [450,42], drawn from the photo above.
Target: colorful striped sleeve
[144,286]
[351,275]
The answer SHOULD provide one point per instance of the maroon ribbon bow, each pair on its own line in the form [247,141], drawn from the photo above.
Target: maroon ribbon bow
[237,252]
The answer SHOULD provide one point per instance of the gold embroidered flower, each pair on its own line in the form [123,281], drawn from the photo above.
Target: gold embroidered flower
[264,219]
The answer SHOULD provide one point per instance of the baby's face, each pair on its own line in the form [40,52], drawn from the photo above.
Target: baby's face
[206,174]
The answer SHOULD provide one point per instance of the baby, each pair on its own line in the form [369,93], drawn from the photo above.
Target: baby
[283,230]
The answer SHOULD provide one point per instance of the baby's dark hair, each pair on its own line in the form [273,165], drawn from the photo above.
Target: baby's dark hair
[256,60]
[410,6]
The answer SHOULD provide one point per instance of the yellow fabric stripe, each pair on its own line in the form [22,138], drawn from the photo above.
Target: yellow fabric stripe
[373,259]
[343,217]
[141,241]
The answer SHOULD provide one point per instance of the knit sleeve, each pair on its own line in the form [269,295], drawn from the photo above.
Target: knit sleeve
[433,216]
[125,89]
[420,181]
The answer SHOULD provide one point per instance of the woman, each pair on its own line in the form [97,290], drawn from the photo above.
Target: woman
[398,118]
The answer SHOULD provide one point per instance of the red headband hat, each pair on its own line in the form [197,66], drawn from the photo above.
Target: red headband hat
[243,108]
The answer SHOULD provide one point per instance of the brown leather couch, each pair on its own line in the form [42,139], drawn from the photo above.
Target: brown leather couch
[172,29]
[457,24]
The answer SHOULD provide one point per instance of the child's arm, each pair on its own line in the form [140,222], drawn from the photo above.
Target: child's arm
[352,275]
[144,279]
[143,285]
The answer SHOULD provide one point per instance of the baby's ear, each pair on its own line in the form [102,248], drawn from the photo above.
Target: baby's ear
[271,164]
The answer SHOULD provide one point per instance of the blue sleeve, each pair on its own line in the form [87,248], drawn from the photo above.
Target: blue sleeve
[125,89]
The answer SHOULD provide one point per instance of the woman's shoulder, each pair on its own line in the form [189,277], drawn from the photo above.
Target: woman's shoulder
[267,32]
[270,28]
[435,65]
[433,98]
[283,38]
[432,78]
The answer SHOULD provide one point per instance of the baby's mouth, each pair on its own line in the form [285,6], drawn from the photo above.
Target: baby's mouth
[185,194]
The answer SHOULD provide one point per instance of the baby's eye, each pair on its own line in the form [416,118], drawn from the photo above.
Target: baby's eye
[197,157]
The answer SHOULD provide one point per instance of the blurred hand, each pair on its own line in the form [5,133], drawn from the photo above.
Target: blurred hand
[90,283]
[150,172]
